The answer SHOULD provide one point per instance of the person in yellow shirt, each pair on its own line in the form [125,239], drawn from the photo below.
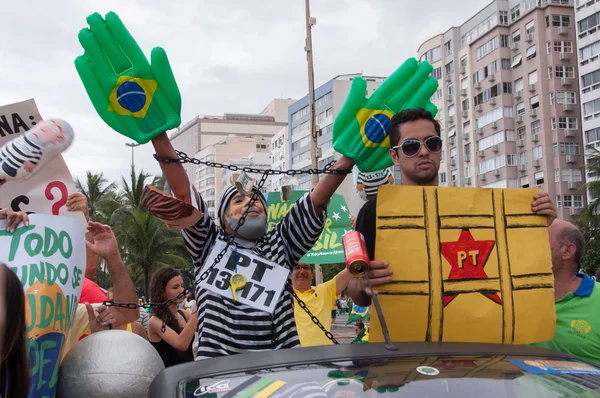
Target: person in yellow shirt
[319,299]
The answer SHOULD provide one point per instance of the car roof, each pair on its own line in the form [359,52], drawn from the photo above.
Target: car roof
[166,382]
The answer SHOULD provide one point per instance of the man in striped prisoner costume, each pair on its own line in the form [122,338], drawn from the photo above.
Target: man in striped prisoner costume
[225,327]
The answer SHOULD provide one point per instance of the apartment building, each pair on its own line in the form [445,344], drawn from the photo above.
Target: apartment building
[257,160]
[280,159]
[509,100]
[587,18]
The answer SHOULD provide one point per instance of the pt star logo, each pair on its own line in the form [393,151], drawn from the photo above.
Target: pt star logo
[467,257]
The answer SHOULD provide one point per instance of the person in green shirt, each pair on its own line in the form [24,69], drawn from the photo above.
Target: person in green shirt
[577,296]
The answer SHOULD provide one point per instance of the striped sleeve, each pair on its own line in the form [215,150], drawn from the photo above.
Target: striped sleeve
[300,228]
[199,238]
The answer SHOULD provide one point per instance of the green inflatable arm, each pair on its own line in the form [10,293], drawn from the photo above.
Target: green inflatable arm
[361,129]
[136,99]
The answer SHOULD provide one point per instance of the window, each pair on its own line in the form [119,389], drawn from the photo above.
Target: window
[553,123]
[556,175]
[569,148]
[519,85]
[590,78]
[567,123]
[531,52]
[539,179]
[486,95]
[448,47]
[490,141]
[505,63]
[511,159]
[516,61]
[521,131]
[565,71]
[468,149]
[463,60]
[454,176]
[437,73]
[503,17]
[510,135]
[535,127]
[533,77]
[520,108]
[504,40]
[558,20]
[559,46]
[450,67]
[464,83]
[571,175]
[589,51]
[589,23]
[465,105]
[534,102]
[432,55]
[442,178]
[537,153]
[551,94]
[523,157]
[591,107]
[575,201]
[524,182]
[548,47]
[516,36]
[592,135]
[469,171]
[487,48]
[451,110]
[491,164]
[566,97]
[515,13]
[451,90]
[530,27]
[492,116]
[507,88]
[549,72]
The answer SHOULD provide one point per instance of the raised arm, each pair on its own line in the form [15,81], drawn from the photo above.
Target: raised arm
[329,183]
[174,172]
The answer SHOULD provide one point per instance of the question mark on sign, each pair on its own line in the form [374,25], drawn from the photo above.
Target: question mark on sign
[64,194]
[16,203]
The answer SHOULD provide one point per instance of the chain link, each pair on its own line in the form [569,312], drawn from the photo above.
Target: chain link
[184,158]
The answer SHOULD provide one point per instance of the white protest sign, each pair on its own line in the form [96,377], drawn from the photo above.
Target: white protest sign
[46,192]
[265,280]
[48,256]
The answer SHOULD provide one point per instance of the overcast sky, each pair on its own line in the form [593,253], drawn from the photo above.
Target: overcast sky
[227,56]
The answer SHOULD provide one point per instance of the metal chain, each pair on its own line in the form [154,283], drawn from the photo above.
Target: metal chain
[184,158]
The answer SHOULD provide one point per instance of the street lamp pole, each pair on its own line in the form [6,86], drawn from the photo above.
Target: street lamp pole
[132,145]
[311,91]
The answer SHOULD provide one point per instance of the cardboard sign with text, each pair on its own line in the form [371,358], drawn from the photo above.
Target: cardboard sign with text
[47,190]
[48,256]
[470,265]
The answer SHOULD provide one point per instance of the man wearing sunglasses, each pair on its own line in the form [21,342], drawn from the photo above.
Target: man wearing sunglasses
[416,147]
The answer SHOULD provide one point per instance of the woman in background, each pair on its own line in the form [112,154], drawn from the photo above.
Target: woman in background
[174,344]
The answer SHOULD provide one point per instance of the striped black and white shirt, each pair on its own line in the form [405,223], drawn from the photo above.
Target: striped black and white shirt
[225,327]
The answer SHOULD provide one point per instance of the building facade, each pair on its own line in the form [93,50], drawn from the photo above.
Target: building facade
[279,159]
[587,18]
[508,100]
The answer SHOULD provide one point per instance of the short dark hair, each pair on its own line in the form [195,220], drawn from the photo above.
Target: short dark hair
[360,325]
[572,235]
[410,115]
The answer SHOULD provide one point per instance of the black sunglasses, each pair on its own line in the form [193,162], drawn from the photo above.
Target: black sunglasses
[412,146]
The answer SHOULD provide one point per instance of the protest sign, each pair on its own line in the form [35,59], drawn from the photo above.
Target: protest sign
[47,190]
[470,265]
[328,249]
[48,256]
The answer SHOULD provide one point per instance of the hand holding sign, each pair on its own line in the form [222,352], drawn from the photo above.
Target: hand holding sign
[13,219]
[136,99]
[361,130]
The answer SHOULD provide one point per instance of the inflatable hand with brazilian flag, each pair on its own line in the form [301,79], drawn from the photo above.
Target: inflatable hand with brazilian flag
[361,129]
[136,99]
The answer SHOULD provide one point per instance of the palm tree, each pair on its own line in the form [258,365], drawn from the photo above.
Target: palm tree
[150,245]
[95,189]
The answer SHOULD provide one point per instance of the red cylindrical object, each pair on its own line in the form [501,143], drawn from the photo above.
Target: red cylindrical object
[355,251]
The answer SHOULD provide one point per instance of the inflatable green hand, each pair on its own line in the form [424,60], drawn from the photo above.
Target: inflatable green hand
[137,100]
[361,129]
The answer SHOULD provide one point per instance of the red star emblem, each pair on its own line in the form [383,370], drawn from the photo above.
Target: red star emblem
[467,257]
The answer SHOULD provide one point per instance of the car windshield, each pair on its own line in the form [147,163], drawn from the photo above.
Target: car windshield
[449,376]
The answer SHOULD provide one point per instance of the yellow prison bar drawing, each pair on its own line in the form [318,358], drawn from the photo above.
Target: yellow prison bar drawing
[470,265]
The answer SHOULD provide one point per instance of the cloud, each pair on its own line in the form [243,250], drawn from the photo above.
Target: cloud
[232,56]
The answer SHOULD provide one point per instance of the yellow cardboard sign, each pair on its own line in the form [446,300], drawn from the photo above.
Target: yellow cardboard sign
[470,265]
